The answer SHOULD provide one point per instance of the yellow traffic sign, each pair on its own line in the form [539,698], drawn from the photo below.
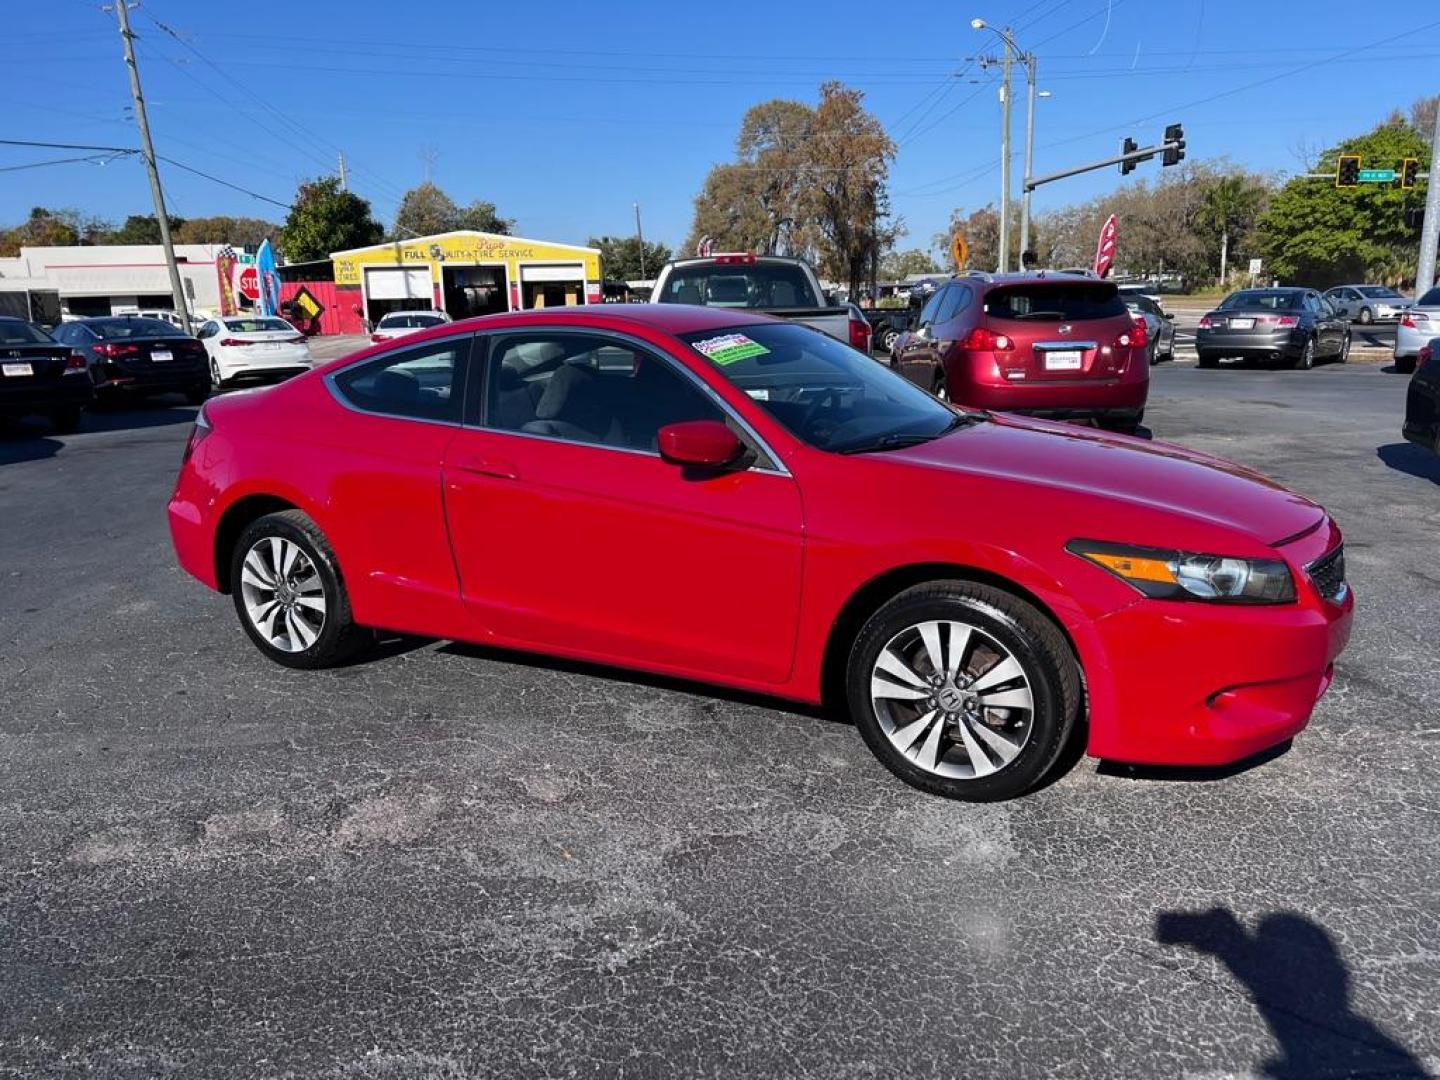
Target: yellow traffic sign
[959,251]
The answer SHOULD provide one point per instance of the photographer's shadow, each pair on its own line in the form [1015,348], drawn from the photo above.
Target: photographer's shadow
[1301,987]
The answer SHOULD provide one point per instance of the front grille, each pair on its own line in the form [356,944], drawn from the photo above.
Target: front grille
[1328,574]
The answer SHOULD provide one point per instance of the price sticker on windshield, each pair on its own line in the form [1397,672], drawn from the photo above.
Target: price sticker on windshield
[729,348]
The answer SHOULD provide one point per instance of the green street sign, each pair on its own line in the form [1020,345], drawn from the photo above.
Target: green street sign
[1377,176]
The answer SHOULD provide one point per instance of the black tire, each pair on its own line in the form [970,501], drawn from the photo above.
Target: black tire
[887,339]
[196,395]
[941,389]
[1123,426]
[1344,356]
[66,421]
[339,639]
[1209,360]
[1032,640]
[1366,316]
[216,382]
[1306,360]
[1405,365]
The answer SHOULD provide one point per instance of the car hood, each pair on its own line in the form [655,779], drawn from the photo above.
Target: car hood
[1156,475]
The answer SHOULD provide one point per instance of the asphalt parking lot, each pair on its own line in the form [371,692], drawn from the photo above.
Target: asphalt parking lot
[452,863]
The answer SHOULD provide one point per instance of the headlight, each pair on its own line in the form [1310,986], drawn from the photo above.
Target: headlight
[1165,574]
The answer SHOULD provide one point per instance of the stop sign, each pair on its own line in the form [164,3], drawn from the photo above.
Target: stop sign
[247,282]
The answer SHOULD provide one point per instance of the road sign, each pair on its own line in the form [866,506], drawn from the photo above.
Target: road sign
[1255,265]
[959,251]
[1377,176]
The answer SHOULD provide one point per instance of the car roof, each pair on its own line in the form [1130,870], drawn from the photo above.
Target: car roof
[721,260]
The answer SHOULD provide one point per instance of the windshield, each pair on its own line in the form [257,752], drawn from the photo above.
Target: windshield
[15,332]
[133,327]
[409,322]
[1268,299]
[823,392]
[1379,292]
[257,326]
[761,285]
[1055,301]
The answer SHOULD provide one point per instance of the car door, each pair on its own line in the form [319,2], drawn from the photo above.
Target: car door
[917,356]
[1329,326]
[571,534]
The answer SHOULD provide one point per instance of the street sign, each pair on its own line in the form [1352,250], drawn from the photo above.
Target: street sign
[1255,265]
[959,251]
[1377,176]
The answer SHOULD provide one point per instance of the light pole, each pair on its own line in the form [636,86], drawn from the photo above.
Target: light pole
[1012,53]
[640,238]
[1029,159]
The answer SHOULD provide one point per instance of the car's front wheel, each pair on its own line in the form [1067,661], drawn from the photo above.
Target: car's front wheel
[1366,316]
[963,690]
[289,595]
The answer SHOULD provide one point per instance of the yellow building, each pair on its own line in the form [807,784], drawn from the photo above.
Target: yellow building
[468,273]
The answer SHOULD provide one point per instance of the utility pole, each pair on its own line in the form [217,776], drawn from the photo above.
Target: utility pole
[1430,229]
[639,235]
[1005,151]
[344,186]
[147,150]
[1029,157]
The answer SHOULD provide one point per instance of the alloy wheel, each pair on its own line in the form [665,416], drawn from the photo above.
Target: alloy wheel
[215,379]
[283,594]
[952,699]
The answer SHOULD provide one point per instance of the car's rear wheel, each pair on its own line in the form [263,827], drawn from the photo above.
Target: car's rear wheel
[1123,425]
[963,690]
[196,395]
[66,421]
[941,389]
[216,380]
[1209,360]
[1307,355]
[289,595]
[1405,365]
[1345,349]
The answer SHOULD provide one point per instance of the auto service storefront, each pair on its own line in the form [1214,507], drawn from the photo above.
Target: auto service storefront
[468,273]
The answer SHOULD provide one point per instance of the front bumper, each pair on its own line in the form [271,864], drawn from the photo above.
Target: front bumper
[1192,683]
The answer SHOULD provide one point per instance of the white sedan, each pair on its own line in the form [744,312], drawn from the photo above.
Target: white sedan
[399,323]
[253,346]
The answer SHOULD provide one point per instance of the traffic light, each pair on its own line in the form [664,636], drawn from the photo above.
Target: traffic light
[1415,218]
[1129,146]
[1174,146]
[1348,172]
[1409,170]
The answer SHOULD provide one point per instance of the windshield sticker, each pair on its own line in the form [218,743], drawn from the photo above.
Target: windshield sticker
[729,348]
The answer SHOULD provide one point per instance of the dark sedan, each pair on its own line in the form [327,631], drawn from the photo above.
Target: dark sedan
[41,377]
[1294,326]
[130,354]
[1422,402]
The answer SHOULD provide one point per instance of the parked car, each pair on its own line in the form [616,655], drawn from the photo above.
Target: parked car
[250,347]
[1367,304]
[1046,344]
[1422,399]
[41,377]
[729,498]
[767,284]
[1294,326]
[1159,327]
[1417,327]
[130,354]
[163,314]
[887,324]
[860,333]
[402,323]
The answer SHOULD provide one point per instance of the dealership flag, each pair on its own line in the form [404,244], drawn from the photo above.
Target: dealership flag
[1105,250]
[267,279]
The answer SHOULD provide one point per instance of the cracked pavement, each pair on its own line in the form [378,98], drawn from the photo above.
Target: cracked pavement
[449,862]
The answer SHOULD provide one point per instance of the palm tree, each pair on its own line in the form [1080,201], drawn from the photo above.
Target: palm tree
[1231,205]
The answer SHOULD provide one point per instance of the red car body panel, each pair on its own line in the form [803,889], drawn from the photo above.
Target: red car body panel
[739,579]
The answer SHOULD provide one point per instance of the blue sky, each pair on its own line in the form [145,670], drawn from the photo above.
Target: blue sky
[565,114]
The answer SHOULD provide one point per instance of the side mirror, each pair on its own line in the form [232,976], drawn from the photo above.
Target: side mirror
[707,443]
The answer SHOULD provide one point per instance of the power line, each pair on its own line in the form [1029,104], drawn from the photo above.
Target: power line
[224,183]
[103,158]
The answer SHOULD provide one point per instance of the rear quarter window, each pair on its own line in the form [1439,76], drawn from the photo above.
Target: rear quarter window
[1431,298]
[1055,302]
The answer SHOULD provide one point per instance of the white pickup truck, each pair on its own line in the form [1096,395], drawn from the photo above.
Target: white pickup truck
[771,284]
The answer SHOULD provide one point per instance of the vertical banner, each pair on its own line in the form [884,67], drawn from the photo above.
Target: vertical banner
[225,271]
[1105,249]
[267,279]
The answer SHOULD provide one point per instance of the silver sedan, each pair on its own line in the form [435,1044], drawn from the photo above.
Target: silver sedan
[1367,304]
[1159,327]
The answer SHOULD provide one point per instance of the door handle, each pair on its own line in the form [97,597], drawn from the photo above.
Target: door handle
[484,466]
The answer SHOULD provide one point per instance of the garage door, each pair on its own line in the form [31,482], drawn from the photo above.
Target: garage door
[400,284]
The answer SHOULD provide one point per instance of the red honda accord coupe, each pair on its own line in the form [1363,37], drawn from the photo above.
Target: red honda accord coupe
[729,498]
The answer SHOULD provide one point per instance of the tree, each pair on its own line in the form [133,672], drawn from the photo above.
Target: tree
[325,219]
[143,229]
[1422,116]
[240,231]
[620,257]
[730,212]
[1320,234]
[1230,207]
[52,228]
[898,265]
[426,210]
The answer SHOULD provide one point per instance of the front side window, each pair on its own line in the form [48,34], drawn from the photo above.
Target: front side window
[589,388]
[821,391]
[1379,292]
[421,383]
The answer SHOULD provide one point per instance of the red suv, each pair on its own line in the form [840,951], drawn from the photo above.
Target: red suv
[1055,345]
